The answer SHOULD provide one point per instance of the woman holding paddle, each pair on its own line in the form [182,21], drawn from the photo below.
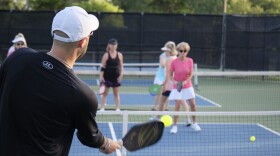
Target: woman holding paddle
[181,72]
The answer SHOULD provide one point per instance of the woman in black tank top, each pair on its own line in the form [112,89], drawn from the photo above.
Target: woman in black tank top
[111,73]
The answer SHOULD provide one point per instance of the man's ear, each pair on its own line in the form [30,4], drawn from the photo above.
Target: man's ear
[83,42]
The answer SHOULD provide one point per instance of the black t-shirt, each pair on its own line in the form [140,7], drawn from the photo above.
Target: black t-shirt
[42,102]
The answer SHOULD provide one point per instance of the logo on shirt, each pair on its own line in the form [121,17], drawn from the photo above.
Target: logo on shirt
[47,64]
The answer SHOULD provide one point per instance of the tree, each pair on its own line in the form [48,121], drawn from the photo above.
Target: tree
[13,5]
[98,6]
[47,4]
[134,5]
[89,5]
[268,6]
[200,6]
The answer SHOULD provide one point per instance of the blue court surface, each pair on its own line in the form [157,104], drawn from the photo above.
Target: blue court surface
[213,140]
[148,100]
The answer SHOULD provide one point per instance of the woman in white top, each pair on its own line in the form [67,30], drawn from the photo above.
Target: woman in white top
[167,84]
[160,74]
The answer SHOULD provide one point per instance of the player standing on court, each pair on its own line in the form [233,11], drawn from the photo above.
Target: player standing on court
[111,73]
[181,70]
[160,74]
[42,101]
[167,84]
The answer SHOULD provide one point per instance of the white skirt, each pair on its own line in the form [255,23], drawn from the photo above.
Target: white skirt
[185,94]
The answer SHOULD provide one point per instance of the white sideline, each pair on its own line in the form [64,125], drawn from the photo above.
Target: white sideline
[114,137]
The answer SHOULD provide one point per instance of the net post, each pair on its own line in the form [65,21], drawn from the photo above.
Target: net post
[125,128]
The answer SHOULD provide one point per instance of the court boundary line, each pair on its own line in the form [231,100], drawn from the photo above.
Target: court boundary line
[114,137]
[213,104]
[210,101]
[268,129]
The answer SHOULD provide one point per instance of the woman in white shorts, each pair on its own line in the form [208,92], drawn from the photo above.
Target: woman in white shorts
[160,74]
[181,70]
[167,84]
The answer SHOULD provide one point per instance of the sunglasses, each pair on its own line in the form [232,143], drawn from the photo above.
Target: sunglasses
[91,33]
[20,44]
[181,51]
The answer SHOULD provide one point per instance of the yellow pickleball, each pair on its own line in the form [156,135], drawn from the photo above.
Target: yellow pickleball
[252,138]
[167,120]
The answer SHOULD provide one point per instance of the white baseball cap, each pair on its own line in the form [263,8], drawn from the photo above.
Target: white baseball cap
[75,22]
[168,46]
[19,38]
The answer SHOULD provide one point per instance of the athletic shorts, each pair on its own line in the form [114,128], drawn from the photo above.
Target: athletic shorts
[112,84]
[166,93]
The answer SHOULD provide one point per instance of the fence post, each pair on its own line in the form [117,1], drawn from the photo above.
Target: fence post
[223,44]
[141,37]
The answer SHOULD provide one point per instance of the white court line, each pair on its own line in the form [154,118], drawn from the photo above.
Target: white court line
[214,103]
[272,131]
[203,98]
[114,136]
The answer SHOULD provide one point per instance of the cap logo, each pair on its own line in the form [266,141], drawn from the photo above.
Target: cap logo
[47,65]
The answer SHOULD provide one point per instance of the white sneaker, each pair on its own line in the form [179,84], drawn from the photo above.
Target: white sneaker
[196,127]
[173,130]
[188,122]
[102,110]
[118,110]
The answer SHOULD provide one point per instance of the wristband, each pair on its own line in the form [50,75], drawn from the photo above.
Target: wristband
[106,147]
[102,69]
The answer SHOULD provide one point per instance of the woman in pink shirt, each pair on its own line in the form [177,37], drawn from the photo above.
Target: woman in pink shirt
[181,70]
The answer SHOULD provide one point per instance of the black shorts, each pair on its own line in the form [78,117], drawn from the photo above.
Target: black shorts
[112,84]
[166,93]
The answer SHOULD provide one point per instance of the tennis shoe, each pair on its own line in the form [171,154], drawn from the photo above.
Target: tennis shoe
[118,110]
[196,127]
[102,110]
[174,130]
[188,122]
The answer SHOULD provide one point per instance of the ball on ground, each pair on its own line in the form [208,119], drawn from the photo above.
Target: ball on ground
[167,120]
[252,138]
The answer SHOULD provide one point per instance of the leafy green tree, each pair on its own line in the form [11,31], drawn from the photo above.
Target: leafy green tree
[98,6]
[134,5]
[47,4]
[243,7]
[13,5]
[268,6]
[201,6]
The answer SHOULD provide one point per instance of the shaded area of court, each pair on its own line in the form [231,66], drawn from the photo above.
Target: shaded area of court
[213,140]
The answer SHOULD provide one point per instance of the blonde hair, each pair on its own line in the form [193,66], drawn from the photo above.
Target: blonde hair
[107,48]
[184,45]
[172,46]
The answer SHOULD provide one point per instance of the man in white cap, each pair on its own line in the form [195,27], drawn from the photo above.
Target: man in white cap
[42,101]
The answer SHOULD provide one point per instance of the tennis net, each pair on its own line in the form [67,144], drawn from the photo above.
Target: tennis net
[222,134]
